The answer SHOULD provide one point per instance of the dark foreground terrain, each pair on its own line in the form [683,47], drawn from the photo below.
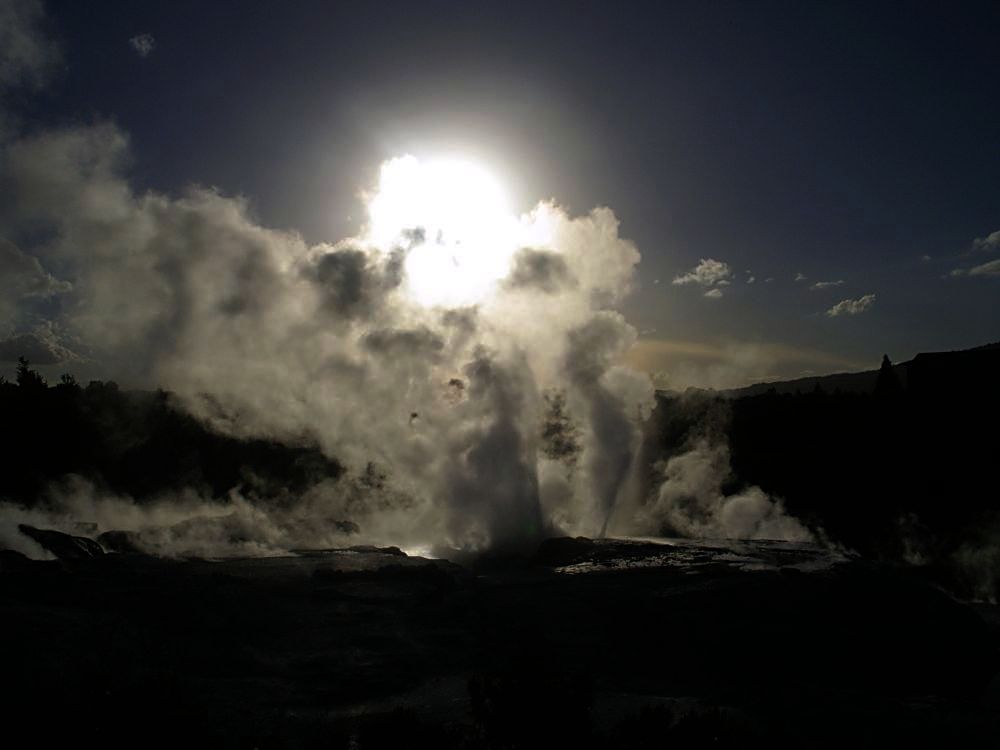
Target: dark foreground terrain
[622,644]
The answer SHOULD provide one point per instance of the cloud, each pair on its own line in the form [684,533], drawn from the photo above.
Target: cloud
[27,57]
[714,293]
[800,276]
[981,245]
[23,277]
[990,268]
[709,272]
[42,346]
[143,44]
[988,244]
[851,306]
[826,284]
[542,270]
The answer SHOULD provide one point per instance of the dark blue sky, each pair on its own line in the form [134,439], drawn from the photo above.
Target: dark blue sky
[845,141]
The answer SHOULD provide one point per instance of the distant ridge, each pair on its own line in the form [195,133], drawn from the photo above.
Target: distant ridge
[976,367]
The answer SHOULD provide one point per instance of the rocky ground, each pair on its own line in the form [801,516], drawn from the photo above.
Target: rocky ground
[625,644]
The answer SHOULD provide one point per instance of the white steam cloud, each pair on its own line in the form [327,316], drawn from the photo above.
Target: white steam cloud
[690,502]
[324,340]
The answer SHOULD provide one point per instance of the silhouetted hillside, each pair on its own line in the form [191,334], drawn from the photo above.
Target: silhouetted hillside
[903,469]
[134,443]
[950,369]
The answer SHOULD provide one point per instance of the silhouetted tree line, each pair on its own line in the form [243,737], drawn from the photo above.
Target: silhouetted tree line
[906,472]
[136,443]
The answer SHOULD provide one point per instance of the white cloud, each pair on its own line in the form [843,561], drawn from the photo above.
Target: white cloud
[800,276]
[851,306]
[987,244]
[826,284]
[143,44]
[709,272]
[991,268]
[714,293]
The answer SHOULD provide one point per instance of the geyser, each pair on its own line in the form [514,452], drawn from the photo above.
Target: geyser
[426,353]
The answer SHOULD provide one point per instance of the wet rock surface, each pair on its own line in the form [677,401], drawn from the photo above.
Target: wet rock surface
[631,643]
[64,546]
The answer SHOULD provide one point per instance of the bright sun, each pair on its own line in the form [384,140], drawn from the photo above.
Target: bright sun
[456,221]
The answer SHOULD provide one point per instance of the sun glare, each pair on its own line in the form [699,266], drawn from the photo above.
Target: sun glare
[456,221]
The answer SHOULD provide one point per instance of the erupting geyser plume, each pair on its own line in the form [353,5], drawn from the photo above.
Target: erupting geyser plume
[430,346]
[467,358]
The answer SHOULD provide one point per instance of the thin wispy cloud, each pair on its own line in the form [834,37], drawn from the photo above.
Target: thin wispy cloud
[826,284]
[851,306]
[713,293]
[27,57]
[988,244]
[981,245]
[989,268]
[143,44]
[800,276]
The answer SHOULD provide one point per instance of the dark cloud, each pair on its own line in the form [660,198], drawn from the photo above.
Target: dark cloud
[418,342]
[27,57]
[22,275]
[543,270]
[352,283]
